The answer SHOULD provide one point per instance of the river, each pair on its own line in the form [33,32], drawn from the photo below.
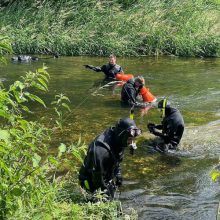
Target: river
[174,186]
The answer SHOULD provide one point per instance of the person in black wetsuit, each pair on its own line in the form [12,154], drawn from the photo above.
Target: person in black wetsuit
[110,69]
[172,127]
[131,89]
[105,153]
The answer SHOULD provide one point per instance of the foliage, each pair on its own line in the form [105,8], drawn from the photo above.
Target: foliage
[215,175]
[124,27]
[5,47]
[61,106]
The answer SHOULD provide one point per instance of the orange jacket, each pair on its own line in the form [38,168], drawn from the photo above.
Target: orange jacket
[147,95]
[123,77]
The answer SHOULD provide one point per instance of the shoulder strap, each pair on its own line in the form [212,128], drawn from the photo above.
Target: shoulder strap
[104,145]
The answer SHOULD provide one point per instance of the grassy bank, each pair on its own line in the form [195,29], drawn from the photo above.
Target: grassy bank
[124,27]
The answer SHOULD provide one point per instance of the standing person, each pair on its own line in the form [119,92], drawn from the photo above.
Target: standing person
[172,127]
[110,70]
[105,153]
[134,87]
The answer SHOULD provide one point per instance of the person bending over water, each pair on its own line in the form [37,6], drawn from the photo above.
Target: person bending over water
[105,153]
[130,91]
[172,127]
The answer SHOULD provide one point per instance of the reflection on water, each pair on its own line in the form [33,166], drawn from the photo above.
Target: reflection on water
[177,186]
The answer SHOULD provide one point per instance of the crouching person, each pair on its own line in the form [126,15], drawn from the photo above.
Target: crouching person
[101,168]
[172,127]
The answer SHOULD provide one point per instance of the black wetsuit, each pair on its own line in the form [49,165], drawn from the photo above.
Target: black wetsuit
[109,70]
[172,127]
[129,94]
[102,162]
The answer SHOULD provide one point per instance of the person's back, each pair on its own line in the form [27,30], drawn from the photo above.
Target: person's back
[173,125]
[129,93]
[99,158]
[134,87]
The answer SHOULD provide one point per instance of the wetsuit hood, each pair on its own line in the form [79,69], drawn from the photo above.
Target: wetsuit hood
[169,110]
[124,129]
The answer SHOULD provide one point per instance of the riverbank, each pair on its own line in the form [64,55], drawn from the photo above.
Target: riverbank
[126,28]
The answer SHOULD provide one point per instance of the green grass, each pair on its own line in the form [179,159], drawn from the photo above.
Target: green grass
[123,27]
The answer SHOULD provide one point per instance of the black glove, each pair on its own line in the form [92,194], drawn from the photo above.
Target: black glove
[119,180]
[151,127]
[88,66]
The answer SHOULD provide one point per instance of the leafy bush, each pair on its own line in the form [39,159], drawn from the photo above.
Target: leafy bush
[26,166]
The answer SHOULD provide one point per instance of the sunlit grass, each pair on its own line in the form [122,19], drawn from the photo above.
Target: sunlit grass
[132,28]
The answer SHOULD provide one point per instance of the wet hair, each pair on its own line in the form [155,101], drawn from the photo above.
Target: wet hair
[140,80]
[112,56]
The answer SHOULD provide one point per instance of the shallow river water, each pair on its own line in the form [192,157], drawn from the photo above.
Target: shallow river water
[174,186]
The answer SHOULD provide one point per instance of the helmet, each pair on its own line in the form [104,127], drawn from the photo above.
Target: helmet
[125,132]
[163,104]
[126,127]
[140,80]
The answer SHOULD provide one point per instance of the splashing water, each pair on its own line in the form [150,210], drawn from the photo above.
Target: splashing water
[202,140]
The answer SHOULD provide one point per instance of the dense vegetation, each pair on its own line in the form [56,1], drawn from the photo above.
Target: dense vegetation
[31,186]
[124,27]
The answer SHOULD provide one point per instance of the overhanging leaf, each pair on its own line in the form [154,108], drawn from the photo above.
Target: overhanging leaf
[215,175]
[4,135]
[43,83]
[36,98]
[62,149]
[36,160]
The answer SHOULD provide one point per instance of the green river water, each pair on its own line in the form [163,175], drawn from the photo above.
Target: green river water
[175,186]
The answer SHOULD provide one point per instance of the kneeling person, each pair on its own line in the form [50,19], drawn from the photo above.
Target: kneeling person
[105,153]
[172,127]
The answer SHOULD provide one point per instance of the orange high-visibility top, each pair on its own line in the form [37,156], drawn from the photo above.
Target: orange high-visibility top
[123,77]
[147,95]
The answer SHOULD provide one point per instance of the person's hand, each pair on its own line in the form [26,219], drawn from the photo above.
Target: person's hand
[151,127]
[88,66]
[119,180]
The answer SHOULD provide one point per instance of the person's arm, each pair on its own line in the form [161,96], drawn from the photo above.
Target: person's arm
[96,69]
[121,70]
[131,93]
[140,104]
[159,134]
[153,129]
[159,127]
